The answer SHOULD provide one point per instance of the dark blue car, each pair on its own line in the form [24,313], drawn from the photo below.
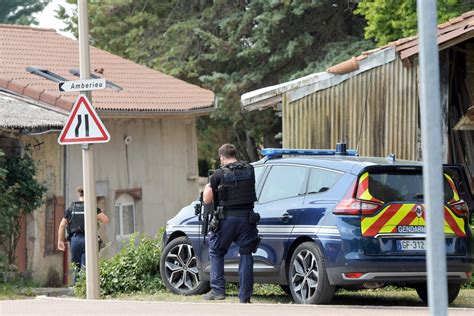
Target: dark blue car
[330,222]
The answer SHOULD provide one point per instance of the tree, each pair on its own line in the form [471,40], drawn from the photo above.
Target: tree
[391,20]
[20,194]
[230,47]
[21,11]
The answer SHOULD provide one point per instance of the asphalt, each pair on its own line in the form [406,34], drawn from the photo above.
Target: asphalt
[43,305]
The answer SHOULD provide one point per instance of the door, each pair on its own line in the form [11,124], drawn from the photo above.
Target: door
[279,204]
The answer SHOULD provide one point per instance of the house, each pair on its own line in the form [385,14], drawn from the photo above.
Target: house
[144,175]
[371,101]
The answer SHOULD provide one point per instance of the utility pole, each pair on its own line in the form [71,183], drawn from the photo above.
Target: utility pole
[90,202]
[432,157]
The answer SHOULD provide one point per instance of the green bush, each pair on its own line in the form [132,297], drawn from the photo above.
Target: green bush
[134,269]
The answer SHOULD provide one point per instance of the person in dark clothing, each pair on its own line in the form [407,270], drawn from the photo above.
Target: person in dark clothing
[232,189]
[74,221]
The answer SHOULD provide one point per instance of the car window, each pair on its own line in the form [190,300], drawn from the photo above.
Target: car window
[258,173]
[283,182]
[401,186]
[321,180]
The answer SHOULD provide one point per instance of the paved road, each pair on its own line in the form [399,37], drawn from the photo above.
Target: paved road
[68,306]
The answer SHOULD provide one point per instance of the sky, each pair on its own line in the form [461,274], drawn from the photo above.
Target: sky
[47,18]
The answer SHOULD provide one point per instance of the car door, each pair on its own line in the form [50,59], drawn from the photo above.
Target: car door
[279,203]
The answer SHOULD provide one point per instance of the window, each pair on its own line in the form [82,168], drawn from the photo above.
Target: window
[45,74]
[283,182]
[321,180]
[401,185]
[125,215]
[258,173]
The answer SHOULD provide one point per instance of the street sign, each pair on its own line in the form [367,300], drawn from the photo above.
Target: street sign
[83,125]
[82,85]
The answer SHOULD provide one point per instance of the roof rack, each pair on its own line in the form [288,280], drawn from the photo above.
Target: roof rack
[340,150]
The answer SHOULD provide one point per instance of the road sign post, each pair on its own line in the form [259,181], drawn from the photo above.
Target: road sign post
[90,203]
[432,157]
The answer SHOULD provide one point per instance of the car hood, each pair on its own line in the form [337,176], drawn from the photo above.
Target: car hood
[184,216]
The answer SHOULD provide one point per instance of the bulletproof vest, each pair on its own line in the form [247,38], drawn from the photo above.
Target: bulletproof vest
[237,186]
[76,222]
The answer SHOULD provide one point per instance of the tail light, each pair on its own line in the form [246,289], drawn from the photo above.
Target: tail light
[356,207]
[459,208]
[352,206]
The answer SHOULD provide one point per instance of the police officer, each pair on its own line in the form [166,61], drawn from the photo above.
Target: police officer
[232,188]
[74,221]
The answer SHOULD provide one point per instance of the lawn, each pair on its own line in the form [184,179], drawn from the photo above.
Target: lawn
[268,294]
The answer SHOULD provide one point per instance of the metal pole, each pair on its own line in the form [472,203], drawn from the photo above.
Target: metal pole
[90,203]
[432,157]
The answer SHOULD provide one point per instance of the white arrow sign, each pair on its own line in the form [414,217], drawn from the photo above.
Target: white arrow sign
[82,85]
[83,125]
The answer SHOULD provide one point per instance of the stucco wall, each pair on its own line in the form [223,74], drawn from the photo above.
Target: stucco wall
[156,160]
[48,156]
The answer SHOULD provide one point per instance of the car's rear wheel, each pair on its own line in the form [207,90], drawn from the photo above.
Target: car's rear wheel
[178,268]
[307,276]
[453,292]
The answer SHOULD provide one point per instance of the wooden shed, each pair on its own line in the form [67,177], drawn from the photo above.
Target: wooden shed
[371,101]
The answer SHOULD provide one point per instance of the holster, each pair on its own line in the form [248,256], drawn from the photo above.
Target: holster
[254,218]
[219,214]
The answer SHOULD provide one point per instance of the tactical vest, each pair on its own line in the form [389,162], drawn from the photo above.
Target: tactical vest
[237,186]
[76,222]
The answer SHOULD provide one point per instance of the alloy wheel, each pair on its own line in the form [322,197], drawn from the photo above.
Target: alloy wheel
[181,268]
[305,275]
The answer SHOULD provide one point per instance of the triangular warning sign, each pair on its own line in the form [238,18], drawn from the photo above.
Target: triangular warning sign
[83,125]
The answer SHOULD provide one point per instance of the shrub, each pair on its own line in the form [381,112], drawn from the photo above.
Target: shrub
[20,195]
[134,269]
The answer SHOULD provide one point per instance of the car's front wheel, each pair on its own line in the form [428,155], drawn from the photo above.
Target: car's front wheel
[178,268]
[307,276]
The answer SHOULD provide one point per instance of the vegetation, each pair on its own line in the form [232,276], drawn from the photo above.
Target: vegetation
[230,47]
[391,20]
[134,269]
[16,289]
[21,11]
[20,194]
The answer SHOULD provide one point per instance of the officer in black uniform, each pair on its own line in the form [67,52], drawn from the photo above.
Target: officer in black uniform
[232,189]
[74,221]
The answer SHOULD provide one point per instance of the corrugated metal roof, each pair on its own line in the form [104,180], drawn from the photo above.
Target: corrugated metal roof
[449,33]
[18,113]
[144,89]
[301,87]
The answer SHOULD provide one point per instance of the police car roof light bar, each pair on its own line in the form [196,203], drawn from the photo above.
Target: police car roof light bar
[272,152]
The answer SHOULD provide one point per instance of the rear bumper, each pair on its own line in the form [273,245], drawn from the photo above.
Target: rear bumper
[399,272]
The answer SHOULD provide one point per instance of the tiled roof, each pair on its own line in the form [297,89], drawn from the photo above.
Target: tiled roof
[460,27]
[144,89]
[20,113]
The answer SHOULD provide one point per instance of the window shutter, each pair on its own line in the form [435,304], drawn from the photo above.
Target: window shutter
[53,216]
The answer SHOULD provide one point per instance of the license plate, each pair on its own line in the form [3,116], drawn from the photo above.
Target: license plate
[411,245]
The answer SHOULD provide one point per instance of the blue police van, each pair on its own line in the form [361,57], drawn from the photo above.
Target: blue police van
[329,220]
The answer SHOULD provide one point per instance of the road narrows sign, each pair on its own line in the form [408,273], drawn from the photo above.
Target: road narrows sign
[83,125]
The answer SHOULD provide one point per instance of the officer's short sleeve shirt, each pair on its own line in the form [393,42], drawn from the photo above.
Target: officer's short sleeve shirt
[216,179]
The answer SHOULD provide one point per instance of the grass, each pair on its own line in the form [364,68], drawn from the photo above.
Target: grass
[270,294]
[16,290]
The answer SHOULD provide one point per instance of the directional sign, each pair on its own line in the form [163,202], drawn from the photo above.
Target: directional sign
[82,85]
[83,125]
